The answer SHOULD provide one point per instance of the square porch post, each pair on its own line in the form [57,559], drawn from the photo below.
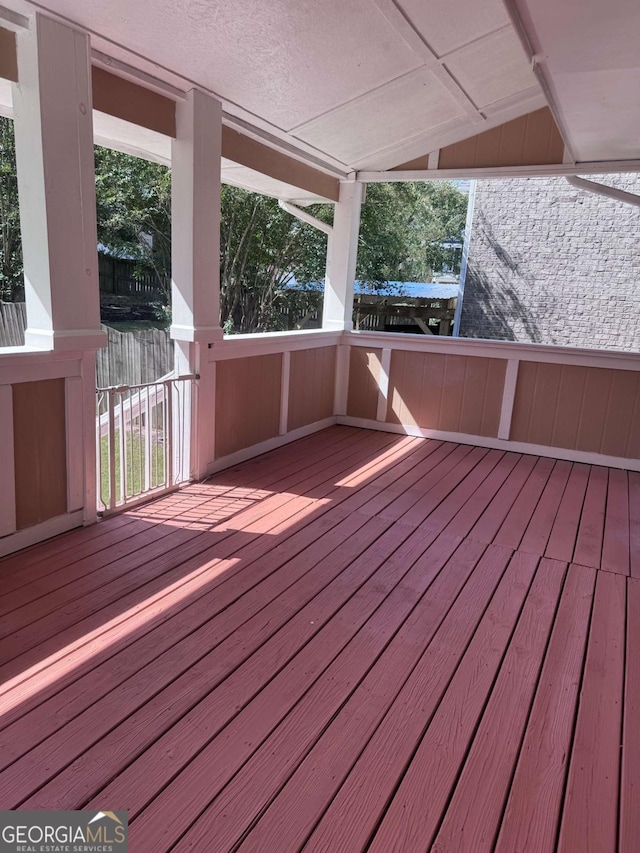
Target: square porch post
[195,289]
[52,106]
[53,122]
[341,258]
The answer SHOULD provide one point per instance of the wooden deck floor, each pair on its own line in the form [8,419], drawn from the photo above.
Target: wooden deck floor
[357,642]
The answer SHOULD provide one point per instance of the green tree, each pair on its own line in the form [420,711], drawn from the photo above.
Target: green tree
[133,201]
[404,229]
[11,273]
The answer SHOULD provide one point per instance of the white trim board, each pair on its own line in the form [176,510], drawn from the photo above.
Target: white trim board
[508,350]
[496,443]
[600,167]
[39,532]
[265,446]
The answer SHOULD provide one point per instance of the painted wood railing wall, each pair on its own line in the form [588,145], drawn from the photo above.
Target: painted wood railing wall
[564,402]
[47,424]
[271,389]
[581,405]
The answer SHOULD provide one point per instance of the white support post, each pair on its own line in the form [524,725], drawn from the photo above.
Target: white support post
[342,254]
[195,292]
[284,393]
[52,106]
[508,398]
[383,385]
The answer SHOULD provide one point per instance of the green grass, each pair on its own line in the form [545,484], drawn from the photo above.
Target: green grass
[134,454]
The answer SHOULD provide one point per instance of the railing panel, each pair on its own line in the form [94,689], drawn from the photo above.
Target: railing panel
[140,433]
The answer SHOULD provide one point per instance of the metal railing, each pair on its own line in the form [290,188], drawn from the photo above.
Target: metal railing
[143,437]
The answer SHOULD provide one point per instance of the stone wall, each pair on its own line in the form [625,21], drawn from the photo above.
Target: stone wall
[552,264]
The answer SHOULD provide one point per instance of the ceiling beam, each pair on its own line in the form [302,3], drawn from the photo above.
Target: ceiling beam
[601,167]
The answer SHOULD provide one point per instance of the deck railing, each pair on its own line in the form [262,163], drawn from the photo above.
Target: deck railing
[143,439]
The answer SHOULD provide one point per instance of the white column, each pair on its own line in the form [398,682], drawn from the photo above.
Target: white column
[341,258]
[52,108]
[195,236]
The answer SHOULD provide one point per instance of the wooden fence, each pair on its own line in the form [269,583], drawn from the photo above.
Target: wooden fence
[13,322]
[131,358]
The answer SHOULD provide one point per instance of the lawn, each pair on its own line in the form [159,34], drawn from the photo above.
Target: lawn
[134,462]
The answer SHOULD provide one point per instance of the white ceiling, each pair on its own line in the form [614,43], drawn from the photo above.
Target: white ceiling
[356,82]
[370,84]
[588,54]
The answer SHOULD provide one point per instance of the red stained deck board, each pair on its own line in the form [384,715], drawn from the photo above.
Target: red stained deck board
[473,508]
[533,809]
[222,676]
[430,749]
[459,495]
[322,769]
[141,781]
[375,498]
[539,529]
[564,532]
[279,509]
[383,663]
[118,534]
[519,515]
[498,508]
[292,534]
[102,679]
[616,543]
[414,504]
[81,566]
[630,777]
[203,659]
[588,550]
[472,816]
[590,814]
[20,569]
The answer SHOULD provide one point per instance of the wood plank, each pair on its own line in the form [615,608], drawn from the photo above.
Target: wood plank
[616,542]
[590,815]
[485,529]
[533,807]
[439,475]
[471,511]
[377,496]
[539,529]
[322,769]
[291,530]
[135,570]
[472,816]
[228,748]
[439,506]
[19,569]
[465,490]
[203,658]
[564,532]
[630,777]
[423,747]
[74,566]
[588,551]
[518,517]
[390,657]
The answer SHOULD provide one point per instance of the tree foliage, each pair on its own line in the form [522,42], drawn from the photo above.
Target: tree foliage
[403,235]
[133,201]
[11,273]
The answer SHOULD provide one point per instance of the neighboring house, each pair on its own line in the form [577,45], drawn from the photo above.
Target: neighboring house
[552,264]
